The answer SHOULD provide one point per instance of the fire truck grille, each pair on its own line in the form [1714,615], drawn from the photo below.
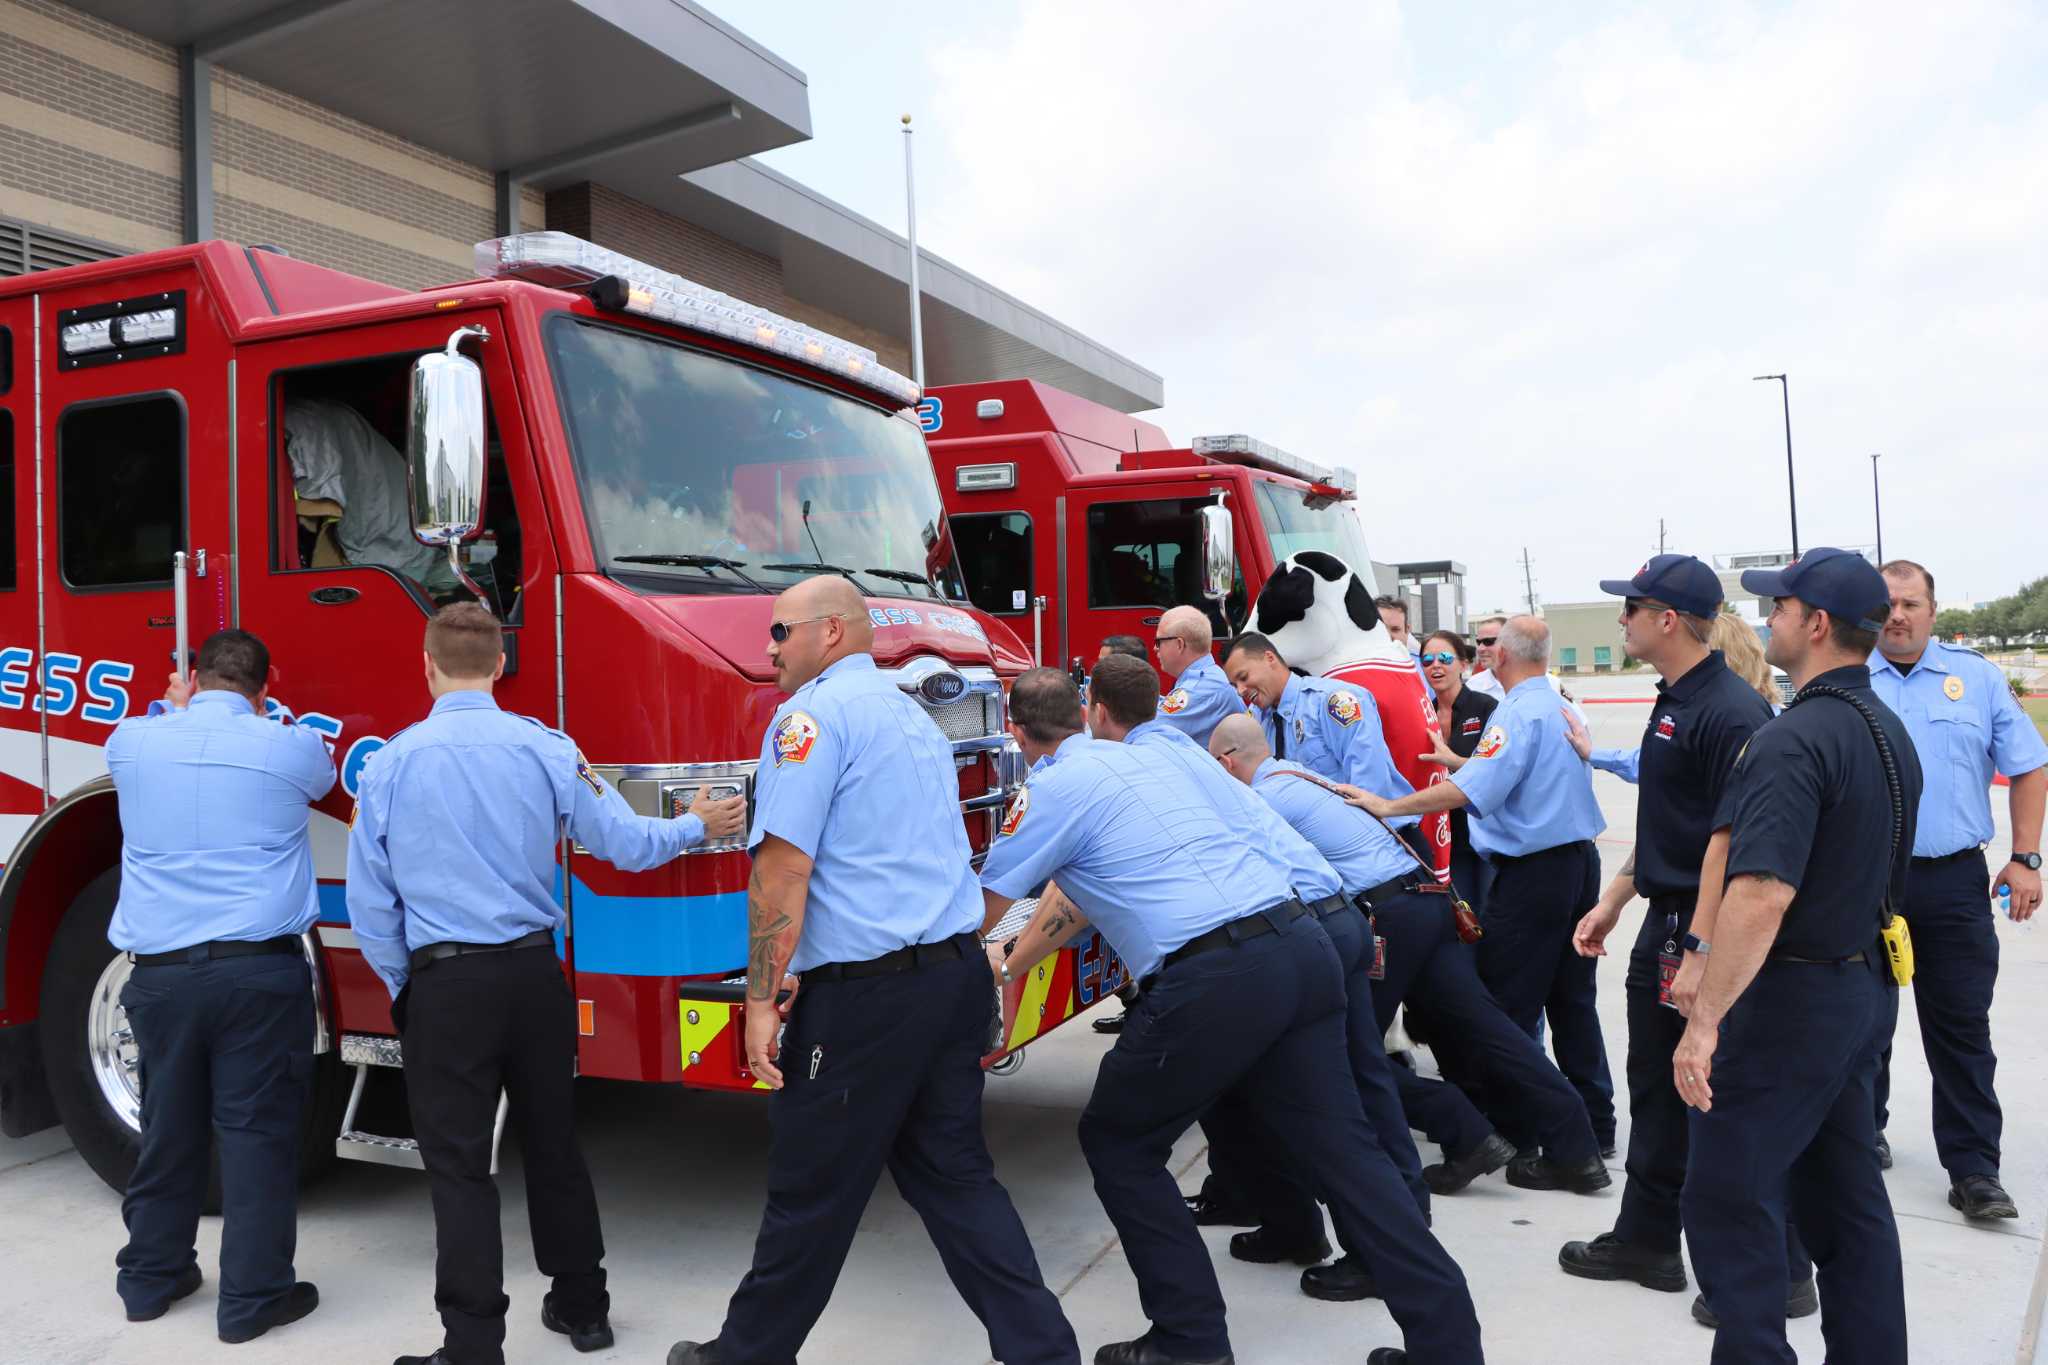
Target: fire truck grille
[974,716]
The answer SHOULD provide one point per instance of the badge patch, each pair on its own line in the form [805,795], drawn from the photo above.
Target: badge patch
[1954,687]
[1175,701]
[1667,726]
[590,779]
[1015,815]
[1344,708]
[1494,741]
[1471,725]
[794,737]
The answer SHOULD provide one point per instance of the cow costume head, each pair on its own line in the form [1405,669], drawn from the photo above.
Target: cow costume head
[1320,615]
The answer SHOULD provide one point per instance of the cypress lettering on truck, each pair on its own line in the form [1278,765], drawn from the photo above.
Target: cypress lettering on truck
[635,466]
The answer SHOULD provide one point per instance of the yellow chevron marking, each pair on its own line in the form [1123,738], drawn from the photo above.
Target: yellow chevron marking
[1031,1004]
[712,1020]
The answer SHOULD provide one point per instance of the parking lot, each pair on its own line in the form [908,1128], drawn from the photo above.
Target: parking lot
[679,1176]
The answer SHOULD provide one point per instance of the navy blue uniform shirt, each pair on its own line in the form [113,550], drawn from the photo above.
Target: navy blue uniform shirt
[1696,728]
[1810,807]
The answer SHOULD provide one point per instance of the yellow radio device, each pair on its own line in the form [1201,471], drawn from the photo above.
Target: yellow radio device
[1898,950]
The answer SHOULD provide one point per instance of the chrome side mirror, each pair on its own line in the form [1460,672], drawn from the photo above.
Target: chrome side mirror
[1219,553]
[444,444]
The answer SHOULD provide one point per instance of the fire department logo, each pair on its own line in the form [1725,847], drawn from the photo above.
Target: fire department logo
[1667,727]
[590,779]
[1015,815]
[1344,708]
[794,737]
[1471,725]
[1491,743]
[1954,687]
[1175,701]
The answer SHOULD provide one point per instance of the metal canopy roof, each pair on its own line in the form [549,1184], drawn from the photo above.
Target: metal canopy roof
[654,98]
[539,88]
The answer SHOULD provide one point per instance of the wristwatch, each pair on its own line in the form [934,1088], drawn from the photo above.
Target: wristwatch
[1693,943]
[2030,861]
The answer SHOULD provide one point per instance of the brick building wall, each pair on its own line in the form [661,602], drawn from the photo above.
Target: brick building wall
[645,233]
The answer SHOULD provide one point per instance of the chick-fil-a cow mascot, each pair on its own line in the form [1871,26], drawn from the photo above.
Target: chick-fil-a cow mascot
[1321,617]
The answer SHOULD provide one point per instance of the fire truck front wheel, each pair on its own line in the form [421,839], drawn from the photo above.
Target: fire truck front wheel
[90,1058]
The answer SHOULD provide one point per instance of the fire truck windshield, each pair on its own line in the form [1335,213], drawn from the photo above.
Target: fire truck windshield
[1293,526]
[686,458]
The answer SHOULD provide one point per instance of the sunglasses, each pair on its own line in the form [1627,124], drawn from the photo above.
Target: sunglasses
[779,631]
[1445,659]
[1488,639]
[1164,640]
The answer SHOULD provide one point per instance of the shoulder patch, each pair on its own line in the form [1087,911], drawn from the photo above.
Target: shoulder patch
[590,778]
[1491,743]
[1953,686]
[1343,707]
[1015,815]
[1174,702]
[795,734]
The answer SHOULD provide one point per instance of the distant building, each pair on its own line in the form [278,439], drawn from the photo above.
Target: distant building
[1435,593]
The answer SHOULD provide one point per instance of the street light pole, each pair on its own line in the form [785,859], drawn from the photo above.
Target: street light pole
[916,299]
[1877,509]
[1791,488]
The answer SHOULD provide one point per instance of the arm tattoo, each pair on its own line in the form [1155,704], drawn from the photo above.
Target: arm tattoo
[766,928]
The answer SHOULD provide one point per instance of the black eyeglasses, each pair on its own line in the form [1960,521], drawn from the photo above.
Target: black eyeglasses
[779,631]
[1632,605]
[1440,659]
[1488,639]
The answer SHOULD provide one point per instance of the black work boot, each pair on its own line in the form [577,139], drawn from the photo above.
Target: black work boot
[1262,1246]
[1533,1172]
[1802,1300]
[1454,1175]
[1607,1257]
[1345,1280]
[1981,1196]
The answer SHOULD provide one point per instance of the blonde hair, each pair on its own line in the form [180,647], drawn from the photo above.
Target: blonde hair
[1737,640]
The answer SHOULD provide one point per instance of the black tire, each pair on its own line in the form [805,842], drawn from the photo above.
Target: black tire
[102,1136]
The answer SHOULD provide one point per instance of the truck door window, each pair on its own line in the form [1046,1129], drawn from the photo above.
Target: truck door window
[7,572]
[995,554]
[121,491]
[344,500]
[1145,554]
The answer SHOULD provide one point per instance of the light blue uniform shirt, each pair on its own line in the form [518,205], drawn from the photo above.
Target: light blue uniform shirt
[1528,790]
[457,825]
[1149,861]
[1351,841]
[1296,859]
[1334,729]
[213,805]
[1625,764]
[1201,699]
[1965,726]
[857,776]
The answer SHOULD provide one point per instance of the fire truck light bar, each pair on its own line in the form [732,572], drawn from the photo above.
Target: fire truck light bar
[1245,450]
[561,261]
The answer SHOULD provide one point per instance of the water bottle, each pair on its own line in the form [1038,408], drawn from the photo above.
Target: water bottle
[2005,900]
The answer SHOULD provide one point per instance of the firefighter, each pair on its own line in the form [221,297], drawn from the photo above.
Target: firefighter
[451,873]
[1534,818]
[1781,1042]
[1201,696]
[863,888]
[216,889]
[1241,989]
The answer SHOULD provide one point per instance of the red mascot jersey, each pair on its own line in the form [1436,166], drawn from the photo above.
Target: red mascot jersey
[1408,716]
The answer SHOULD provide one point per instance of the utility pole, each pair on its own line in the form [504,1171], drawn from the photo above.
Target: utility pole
[1791,488]
[1877,509]
[1660,535]
[916,301]
[1528,582]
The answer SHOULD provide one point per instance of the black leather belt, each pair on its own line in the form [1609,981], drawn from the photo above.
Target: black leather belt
[1329,905]
[1817,961]
[905,959]
[284,945]
[1971,852]
[435,952]
[1268,921]
[1395,886]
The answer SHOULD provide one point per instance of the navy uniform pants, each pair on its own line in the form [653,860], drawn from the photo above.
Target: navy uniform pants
[1426,959]
[1955,967]
[227,1051]
[1790,1136]
[1266,1014]
[1527,961]
[473,1027]
[1657,1123]
[885,1072]
[1250,1173]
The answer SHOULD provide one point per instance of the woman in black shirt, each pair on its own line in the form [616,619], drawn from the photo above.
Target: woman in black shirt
[1461,713]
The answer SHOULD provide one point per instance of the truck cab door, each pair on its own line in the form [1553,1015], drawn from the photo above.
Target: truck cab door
[334,582]
[1134,555]
[21,791]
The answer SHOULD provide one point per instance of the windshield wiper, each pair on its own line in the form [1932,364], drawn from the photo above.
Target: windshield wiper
[818,566]
[923,580]
[732,566]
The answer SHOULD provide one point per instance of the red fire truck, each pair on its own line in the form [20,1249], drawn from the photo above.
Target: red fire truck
[627,465]
[1076,522]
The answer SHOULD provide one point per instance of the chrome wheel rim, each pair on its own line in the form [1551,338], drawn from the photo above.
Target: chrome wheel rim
[116,1060]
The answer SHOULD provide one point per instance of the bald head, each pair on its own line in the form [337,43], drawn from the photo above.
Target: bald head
[1239,744]
[1524,649]
[1183,637]
[826,620]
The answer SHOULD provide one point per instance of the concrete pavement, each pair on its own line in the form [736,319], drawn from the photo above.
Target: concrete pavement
[679,1175]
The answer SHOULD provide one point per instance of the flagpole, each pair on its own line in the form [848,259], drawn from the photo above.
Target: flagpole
[916,311]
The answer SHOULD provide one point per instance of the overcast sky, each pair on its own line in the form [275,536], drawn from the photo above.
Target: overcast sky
[1513,262]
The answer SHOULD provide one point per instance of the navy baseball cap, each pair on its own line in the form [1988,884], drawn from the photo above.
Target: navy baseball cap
[1676,580]
[1841,583]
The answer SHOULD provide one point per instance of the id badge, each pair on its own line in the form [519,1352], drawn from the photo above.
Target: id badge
[1669,960]
[1378,970]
